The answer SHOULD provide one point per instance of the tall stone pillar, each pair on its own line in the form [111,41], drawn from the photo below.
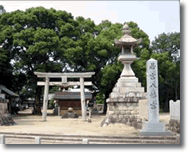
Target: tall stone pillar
[153,127]
[83,108]
[45,101]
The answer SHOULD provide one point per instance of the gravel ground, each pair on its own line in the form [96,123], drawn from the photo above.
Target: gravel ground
[26,123]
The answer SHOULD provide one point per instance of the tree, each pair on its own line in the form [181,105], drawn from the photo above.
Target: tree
[169,81]
[137,33]
[169,67]
[2,9]
[170,73]
[168,43]
[32,38]
[5,65]
[47,40]
[92,48]
[109,76]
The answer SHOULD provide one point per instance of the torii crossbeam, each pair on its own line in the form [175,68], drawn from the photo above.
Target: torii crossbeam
[64,83]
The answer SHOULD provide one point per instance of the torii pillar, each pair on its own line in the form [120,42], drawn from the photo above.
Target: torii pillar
[45,101]
[82,98]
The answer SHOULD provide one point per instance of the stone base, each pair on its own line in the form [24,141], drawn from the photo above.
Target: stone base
[154,129]
[174,126]
[166,133]
[133,121]
[122,104]
[70,115]
[6,121]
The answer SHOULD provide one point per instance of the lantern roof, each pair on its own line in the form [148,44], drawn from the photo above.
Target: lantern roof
[127,39]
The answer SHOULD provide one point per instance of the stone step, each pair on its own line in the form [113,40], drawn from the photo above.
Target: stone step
[116,89]
[128,84]
[127,89]
[116,95]
[128,80]
[137,89]
[29,138]
[125,95]
[19,140]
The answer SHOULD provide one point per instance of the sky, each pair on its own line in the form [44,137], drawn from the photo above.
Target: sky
[153,17]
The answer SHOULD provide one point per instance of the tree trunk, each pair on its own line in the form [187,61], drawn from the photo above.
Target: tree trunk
[9,107]
[166,105]
[105,107]
[176,92]
[37,102]
[105,104]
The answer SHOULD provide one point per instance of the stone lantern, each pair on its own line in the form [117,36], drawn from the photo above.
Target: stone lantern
[123,102]
[127,43]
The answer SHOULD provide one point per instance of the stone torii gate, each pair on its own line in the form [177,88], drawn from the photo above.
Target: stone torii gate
[64,83]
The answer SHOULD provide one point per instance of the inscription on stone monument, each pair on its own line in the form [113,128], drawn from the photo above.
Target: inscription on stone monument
[152,90]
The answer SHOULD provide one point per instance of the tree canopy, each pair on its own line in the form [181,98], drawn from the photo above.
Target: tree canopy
[168,43]
[47,40]
[168,66]
[31,39]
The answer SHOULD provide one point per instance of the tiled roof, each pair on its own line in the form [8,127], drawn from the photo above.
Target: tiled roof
[127,39]
[71,95]
[8,91]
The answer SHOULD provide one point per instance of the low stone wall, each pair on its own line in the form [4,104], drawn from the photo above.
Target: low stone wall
[126,113]
[3,108]
[174,123]
[174,110]
[174,126]
[5,117]
[123,109]
[6,120]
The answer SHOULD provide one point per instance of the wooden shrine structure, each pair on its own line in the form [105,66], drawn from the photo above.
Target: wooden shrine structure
[64,83]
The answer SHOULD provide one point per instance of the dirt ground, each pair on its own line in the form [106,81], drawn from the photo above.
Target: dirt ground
[26,123]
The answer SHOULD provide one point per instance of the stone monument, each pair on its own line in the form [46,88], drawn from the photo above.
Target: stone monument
[123,101]
[153,127]
[5,117]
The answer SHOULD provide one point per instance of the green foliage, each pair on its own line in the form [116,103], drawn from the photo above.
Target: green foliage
[166,48]
[100,98]
[52,102]
[2,8]
[168,43]
[3,56]
[31,38]
[139,66]
[91,48]
[54,89]
[137,33]
[169,78]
